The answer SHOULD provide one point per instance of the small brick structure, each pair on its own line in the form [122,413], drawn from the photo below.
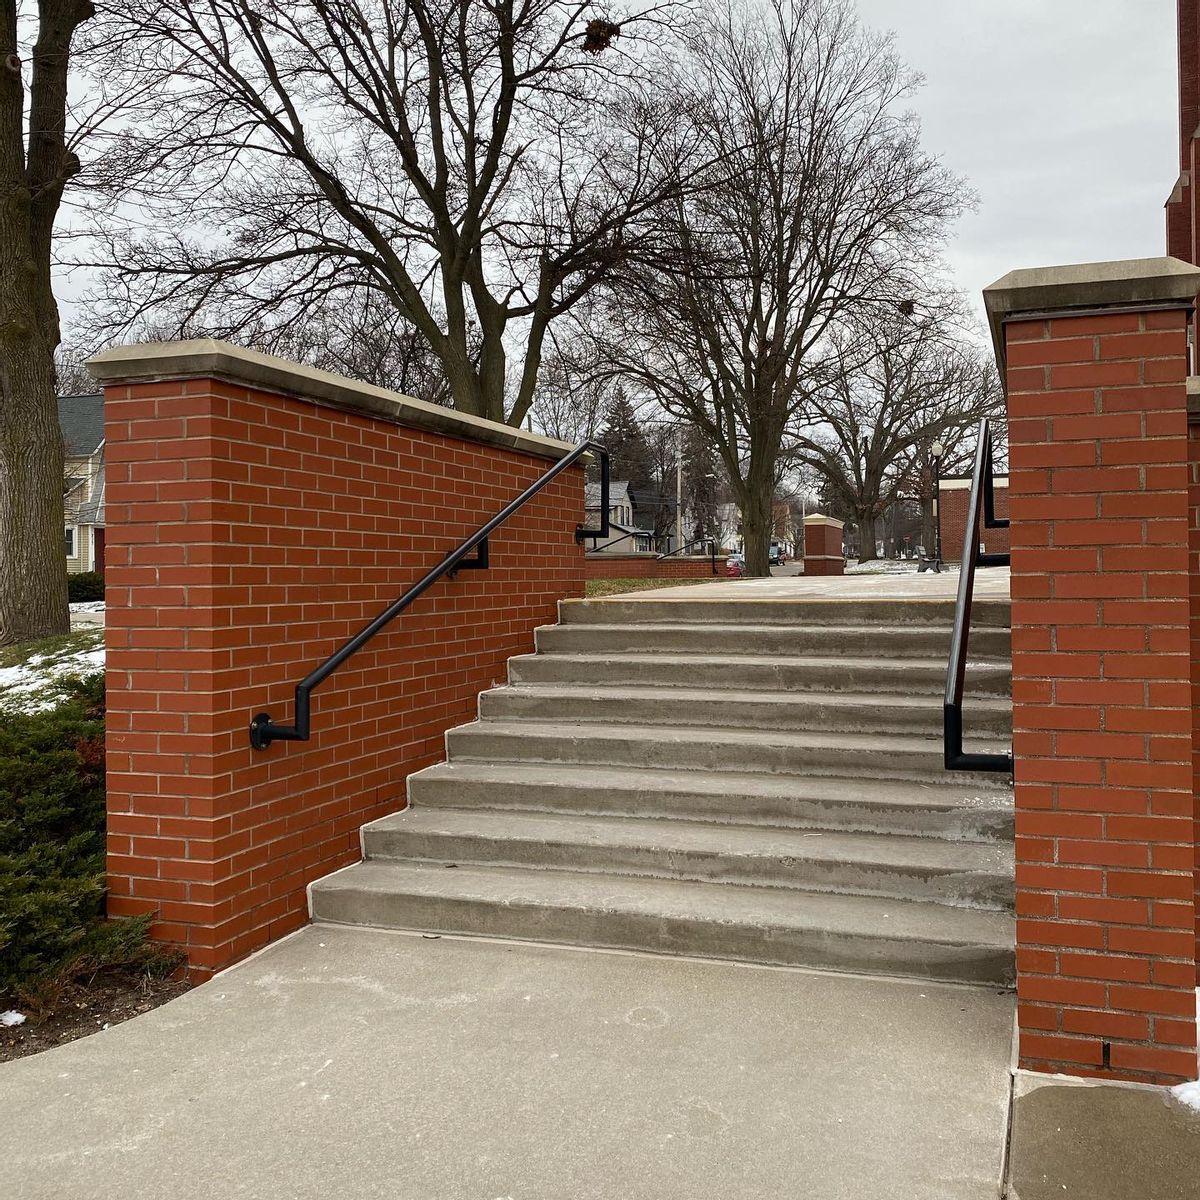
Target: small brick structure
[1104,672]
[649,566]
[259,515]
[823,545]
[953,495]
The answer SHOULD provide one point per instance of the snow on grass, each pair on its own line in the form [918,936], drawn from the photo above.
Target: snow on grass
[32,675]
[88,606]
[889,566]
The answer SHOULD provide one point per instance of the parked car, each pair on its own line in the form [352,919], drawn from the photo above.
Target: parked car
[735,565]
[777,555]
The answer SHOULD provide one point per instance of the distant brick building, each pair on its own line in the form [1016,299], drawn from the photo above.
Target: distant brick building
[953,496]
[1183,230]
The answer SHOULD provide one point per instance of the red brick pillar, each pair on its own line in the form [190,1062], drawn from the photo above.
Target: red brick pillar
[823,546]
[1096,360]
[259,515]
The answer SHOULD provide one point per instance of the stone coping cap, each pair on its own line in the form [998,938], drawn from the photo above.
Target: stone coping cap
[207,358]
[822,519]
[1087,287]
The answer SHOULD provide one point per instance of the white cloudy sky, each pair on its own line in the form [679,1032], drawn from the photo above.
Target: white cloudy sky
[1063,114]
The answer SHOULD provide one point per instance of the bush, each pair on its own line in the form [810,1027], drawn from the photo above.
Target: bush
[85,585]
[52,842]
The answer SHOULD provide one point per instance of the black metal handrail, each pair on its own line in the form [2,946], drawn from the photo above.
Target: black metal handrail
[264,731]
[711,542]
[608,545]
[983,497]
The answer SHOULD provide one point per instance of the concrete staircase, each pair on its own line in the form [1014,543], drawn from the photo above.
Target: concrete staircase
[747,779]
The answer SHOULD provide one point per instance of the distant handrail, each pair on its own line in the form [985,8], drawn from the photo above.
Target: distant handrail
[264,731]
[982,495]
[712,550]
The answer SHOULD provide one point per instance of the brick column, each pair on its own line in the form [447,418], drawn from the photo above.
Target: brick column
[823,546]
[1096,360]
[259,515]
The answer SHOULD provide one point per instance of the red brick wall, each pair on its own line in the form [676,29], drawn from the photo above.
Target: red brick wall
[1194,580]
[643,566]
[1102,695]
[953,503]
[249,535]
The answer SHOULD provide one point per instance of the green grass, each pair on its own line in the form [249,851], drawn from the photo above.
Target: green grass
[615,587]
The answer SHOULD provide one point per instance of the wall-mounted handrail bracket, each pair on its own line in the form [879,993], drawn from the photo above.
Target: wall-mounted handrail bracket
[264,731]
[981,504]
[478,563]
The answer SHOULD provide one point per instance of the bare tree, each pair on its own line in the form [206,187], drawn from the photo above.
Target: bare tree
[36,163]
[815,201]
[571,399]
[480,164]
[895,386]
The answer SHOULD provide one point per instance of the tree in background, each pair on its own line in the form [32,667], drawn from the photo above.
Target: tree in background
[630,454]
[37,161]
[894,387]
[481,166]
[813,201]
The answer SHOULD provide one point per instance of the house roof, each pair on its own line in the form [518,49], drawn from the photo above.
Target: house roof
[81,419]
[618,493]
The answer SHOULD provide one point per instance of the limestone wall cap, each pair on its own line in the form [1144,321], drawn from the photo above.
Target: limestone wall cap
[1086,287]
[207,358]
[822,519]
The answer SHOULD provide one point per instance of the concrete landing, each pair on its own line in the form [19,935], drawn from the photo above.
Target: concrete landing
[361,1063]
[991,583]
[1102,1142]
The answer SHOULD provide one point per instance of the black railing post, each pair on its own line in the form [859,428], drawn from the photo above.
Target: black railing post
[980,504]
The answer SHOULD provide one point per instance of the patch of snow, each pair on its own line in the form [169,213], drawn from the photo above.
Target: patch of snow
[1188,1094]
[88,606]
[12,1017]
[35,685]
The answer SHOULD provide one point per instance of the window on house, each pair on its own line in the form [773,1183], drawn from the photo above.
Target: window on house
[69,541]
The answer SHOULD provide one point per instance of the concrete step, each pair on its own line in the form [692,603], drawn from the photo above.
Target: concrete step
[796,613]
[944,808]
[718,707]
[849,755]
[908,676]
[966,874]
[767,925]
[827,642]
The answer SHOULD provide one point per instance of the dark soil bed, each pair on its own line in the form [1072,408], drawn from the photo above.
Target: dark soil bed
[88,1006]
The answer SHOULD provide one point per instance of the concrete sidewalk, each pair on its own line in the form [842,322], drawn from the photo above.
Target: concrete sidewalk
[355,1063]
[990,584]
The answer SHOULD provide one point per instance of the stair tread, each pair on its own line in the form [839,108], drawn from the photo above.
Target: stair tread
[672,836]
[687,657]
[717,628]
[734,695]
[949,792]
[707,735]
[665,899]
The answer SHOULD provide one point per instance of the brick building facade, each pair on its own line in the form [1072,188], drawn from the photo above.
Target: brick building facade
[953,495]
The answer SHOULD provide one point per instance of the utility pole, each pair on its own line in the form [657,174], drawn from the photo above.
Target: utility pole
[679,492]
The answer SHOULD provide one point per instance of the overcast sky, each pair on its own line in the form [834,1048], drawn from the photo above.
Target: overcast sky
[1063,115]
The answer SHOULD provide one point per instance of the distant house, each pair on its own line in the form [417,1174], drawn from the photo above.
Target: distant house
[625,537]
[81,419]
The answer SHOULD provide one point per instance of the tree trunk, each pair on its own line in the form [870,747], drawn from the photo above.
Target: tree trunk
[866,535]
[757,523]
[33,565]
